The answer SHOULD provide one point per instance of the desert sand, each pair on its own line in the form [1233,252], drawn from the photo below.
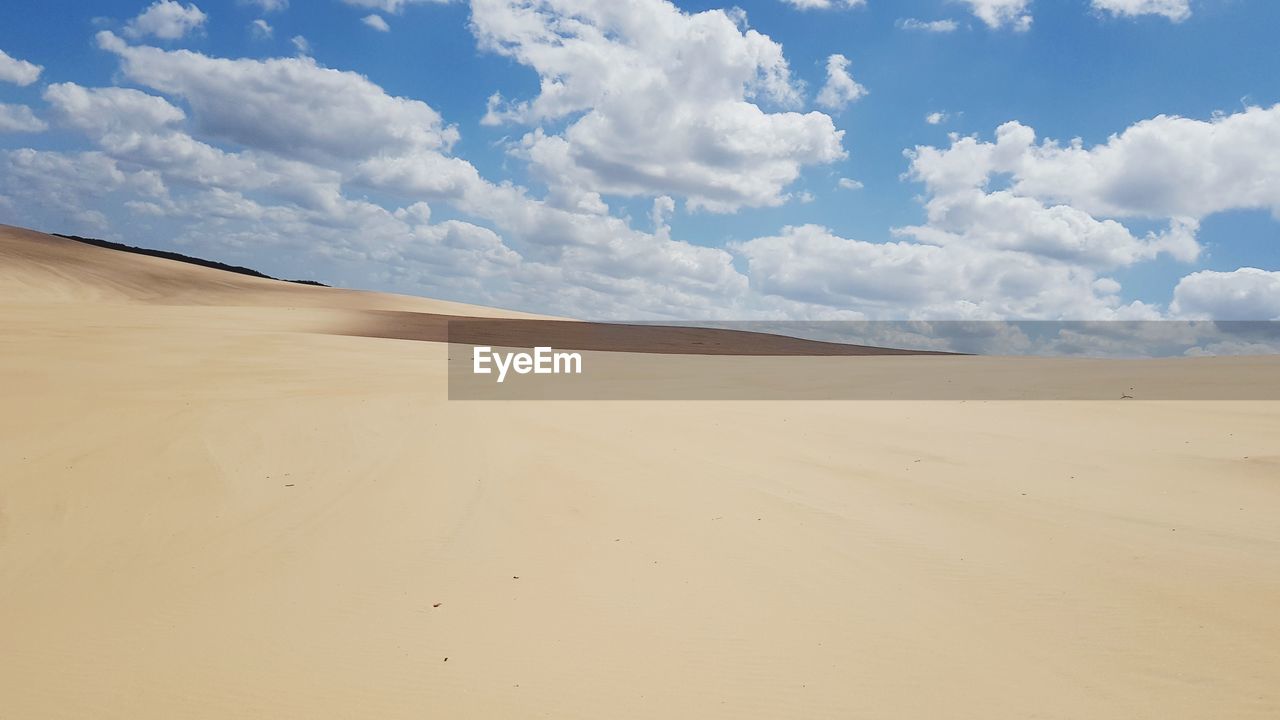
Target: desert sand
[217,502]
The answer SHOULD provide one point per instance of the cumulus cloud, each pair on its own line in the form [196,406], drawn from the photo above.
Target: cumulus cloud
[936,118]
[962,210]
[290,106]
[1003,221]
[18,72]
[19,119]
[147,131]
[167,20]
[391,6]
[663,207]
[1163,167]
[58,189]
[1244,294]
[376,22]
[261,29]
[659,102]
[1002,13]
[911,280]
[110,111]
[840,88]
[1175,10]
[825,4]
[281,155]
[1010,233]
[301,44]
[849,184]
[286,187]
[1016,228]
[1234,348]
[267,5]
[929,26]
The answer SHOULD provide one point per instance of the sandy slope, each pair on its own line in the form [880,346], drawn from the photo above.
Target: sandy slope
[212,508]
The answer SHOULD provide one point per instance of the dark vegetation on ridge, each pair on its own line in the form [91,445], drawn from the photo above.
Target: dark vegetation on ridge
[183,258]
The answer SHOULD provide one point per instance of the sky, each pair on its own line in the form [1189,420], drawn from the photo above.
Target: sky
[643,159]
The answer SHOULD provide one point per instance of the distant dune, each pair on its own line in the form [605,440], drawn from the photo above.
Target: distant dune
[228,496]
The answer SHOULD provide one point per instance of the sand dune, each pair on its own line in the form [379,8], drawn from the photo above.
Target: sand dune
[215,502]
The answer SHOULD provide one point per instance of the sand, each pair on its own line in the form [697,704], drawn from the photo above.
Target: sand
[213,505]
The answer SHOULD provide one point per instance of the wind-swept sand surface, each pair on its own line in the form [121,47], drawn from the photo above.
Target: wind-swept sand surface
[214,505]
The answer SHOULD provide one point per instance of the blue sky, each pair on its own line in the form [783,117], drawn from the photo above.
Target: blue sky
[554,209]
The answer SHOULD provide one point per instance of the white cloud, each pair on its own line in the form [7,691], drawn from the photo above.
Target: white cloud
[825,4]
[849,184]
[1020,229]
[19,119]
[261,29]
[166,19]
[147,131]
[909,280]
[930,26]
[1175,10]
[1001,253]
[284,188]
[1002,13]
[1002,220]
[56,189]
[1163,167]
[278,155]
[150,165]
[840,88]
[391,6]
[110,111]
[661,102]
[301,44]
[1244,294]
[1041,221]
[18,72]
[1234,348]
[663,208]
[376,22]
[936,118]
[290,106]
[267,5]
